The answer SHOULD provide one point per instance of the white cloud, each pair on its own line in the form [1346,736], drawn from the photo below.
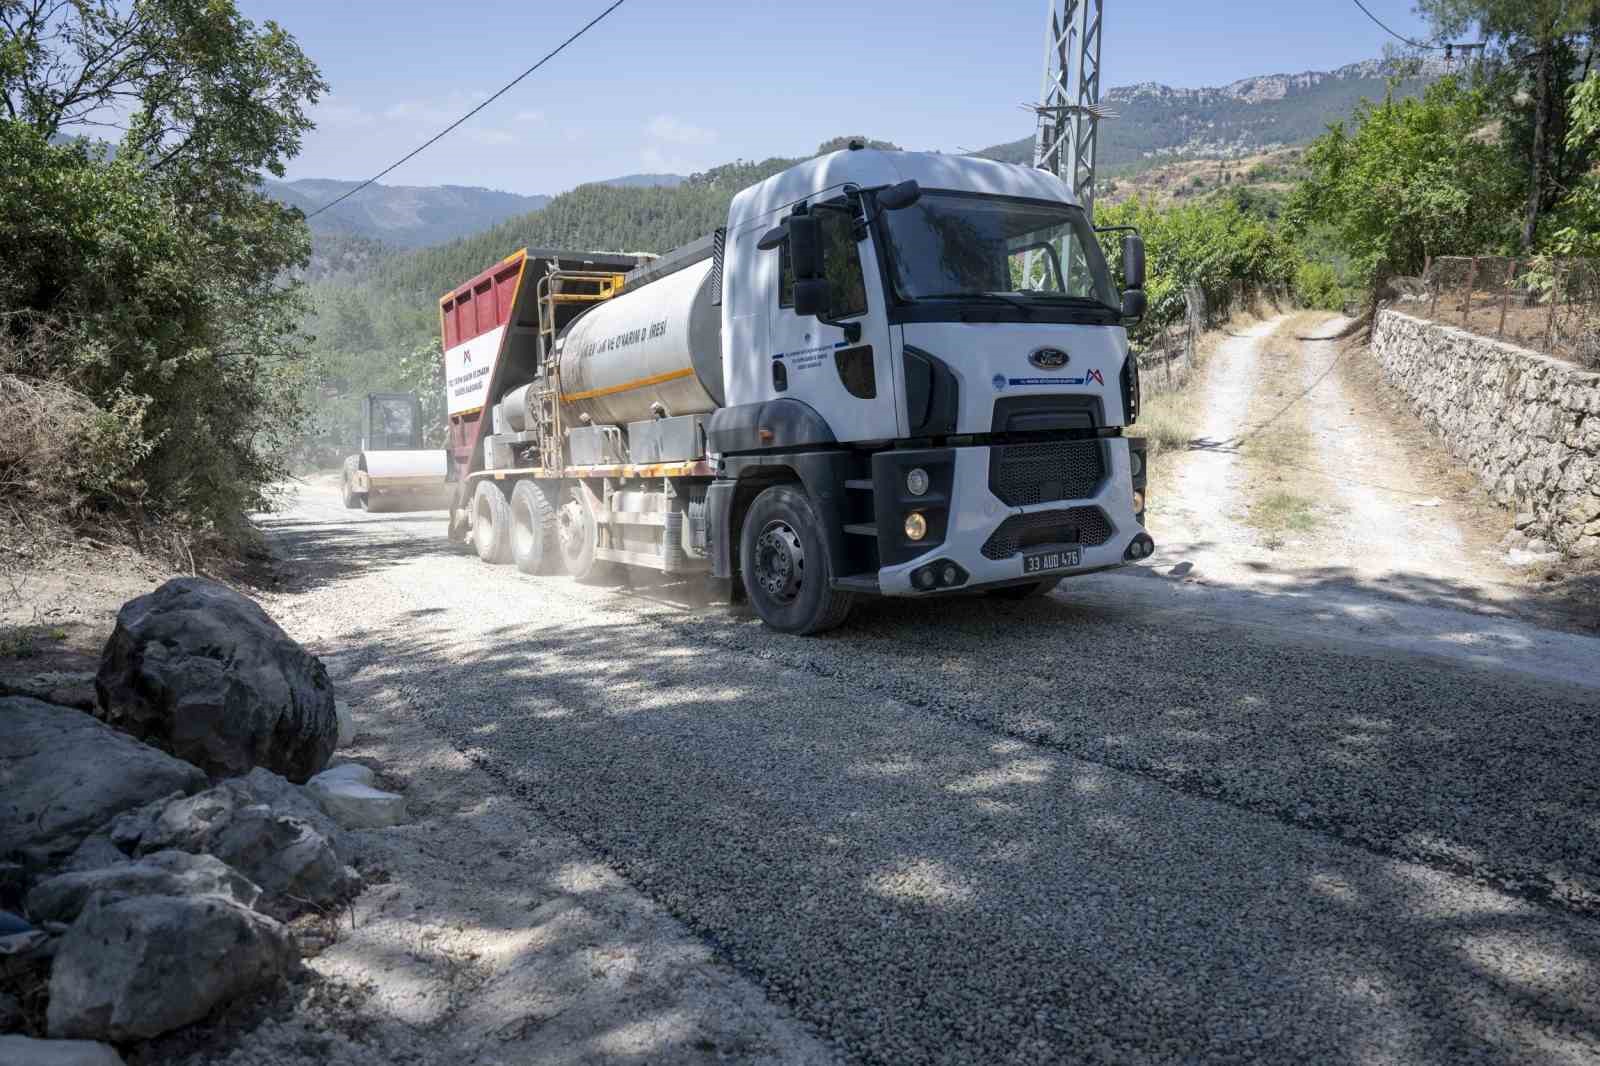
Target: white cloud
[490,137]
[676,131]
[329,114]
[419,111]
[655,161]
[528,116]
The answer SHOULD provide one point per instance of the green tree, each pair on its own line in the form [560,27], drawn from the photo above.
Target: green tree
[1537,35]
[1578,231]
[1211,246]
[1412,178]
[157,252]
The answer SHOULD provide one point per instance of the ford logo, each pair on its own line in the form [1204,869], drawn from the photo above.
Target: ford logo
[1048,358]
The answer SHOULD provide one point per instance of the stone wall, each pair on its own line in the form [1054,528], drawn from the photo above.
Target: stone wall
[1526,424]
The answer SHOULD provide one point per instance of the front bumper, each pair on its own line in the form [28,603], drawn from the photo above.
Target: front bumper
[989,555]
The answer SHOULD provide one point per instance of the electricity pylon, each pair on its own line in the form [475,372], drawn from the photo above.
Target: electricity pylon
[1069,110]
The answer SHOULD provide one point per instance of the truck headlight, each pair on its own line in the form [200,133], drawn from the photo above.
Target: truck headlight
[916,526]
[916,481]
[1138,501]
[1135,463]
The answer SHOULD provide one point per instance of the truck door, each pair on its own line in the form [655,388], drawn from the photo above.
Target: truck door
[850,381]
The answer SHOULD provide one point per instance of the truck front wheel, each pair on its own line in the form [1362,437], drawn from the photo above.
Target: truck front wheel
[784,560]
[491,523]
[535,544]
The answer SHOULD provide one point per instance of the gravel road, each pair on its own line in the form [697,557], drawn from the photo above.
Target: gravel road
[1071,830]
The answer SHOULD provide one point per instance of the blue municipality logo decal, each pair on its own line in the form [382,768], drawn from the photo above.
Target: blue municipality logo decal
[999,383]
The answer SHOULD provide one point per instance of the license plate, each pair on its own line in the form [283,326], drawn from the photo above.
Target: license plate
[1044,562]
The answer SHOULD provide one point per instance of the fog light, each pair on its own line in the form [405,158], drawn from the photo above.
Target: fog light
[917,481]
[926,579]
[950,574]
[1138,501]
[916,526]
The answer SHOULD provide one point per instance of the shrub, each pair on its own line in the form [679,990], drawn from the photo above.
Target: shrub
[1317,286]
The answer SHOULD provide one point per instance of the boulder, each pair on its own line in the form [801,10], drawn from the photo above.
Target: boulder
[95,852]
[164,873]
[25,1051]
[285,855]
[63,775]
[135,968]
[10,1016]
[352,772]
[286,797]
[201,671]
[347,794]
[64,688]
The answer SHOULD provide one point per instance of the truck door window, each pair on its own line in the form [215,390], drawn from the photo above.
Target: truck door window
[847,287]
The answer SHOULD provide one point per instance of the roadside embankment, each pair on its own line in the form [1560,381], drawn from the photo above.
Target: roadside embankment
[1527,425]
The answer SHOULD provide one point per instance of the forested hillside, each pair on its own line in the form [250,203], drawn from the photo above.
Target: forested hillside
[404,216]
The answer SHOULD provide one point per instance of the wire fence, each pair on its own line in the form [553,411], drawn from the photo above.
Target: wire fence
[1547,305]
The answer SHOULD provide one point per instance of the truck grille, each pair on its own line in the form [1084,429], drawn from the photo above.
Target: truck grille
[1024,474]
[1075,525]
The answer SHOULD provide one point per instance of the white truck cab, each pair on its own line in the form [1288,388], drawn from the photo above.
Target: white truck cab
[929,351]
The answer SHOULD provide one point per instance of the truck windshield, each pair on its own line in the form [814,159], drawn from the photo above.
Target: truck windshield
[950,246]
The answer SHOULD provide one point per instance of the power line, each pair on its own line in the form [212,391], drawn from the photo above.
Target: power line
[1391,33]
[557,50]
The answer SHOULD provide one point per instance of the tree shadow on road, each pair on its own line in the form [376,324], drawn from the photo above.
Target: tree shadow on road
[985,858]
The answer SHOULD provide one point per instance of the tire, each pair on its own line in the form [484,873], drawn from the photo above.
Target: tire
[578,536]
[491,523]
[353,500]
[1023,592]
[535,544]
[783,559]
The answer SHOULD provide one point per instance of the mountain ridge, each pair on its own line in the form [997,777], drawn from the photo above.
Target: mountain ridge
[1158,122]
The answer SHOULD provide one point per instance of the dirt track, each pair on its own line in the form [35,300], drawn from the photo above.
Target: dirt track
[1144,820]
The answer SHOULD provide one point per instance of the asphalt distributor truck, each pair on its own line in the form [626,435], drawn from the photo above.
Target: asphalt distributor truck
[890,374]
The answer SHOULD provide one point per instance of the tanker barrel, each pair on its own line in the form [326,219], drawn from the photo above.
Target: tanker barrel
[652,349]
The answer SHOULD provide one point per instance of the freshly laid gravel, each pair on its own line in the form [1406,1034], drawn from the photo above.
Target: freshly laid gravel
[980,833]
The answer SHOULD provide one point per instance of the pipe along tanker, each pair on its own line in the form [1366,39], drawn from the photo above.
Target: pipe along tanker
[890,373]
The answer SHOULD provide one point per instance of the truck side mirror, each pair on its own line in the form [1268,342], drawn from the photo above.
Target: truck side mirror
[805,250]
[1134,304]
[1133,262]
[810,296]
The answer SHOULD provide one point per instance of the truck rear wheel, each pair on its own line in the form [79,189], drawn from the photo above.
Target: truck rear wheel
[784,560]
[577,530]
[535,544]
[491,523]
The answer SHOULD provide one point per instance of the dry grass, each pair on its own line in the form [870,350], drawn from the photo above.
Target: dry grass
[1168,423]
[1277,513]
[1278,441]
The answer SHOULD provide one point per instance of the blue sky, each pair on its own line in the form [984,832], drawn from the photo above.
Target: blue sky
[667,85]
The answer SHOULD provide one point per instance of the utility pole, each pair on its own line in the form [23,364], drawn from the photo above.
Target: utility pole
[1069,110]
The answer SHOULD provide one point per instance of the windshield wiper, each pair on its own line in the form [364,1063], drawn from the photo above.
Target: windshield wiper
[995,297]
[1065,298]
